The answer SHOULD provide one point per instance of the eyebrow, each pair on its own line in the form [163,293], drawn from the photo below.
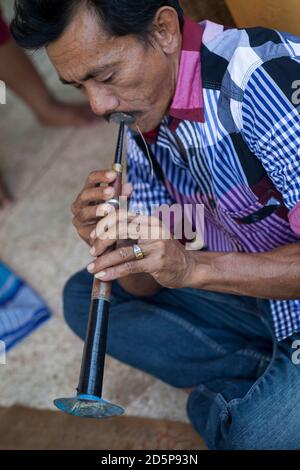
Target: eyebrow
[91,74]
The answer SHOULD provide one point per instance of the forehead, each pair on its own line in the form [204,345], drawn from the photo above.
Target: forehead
[84,42]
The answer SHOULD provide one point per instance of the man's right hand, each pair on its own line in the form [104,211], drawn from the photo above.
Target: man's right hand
[94,193]
[85,219]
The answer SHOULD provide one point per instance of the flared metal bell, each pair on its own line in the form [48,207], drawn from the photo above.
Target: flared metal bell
[87,406]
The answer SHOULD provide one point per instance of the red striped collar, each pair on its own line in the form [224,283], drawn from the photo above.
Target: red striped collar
[187,102]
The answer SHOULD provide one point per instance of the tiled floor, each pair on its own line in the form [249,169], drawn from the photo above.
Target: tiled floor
[45,169]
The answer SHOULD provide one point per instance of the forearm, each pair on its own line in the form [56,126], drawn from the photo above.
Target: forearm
[22,78]
[272,275]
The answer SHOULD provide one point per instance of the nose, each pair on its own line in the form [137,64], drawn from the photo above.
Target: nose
[101,102]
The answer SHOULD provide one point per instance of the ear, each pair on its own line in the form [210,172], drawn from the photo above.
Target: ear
[166,30]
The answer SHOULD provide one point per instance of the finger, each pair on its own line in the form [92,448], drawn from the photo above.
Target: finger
[146,228]
[94,196]
[80,227]
[114,219]
[127,226]
[157,229]
[102,209]
[119,256]
[124,270]
[108,238]
[84,233]
[92,214]
[87,215]
[105,209]
[99,247]
[98,177]
[103,212]
[83,200]
[97,195]
[115,233]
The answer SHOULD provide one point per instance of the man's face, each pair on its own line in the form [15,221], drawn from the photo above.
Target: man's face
[119,73]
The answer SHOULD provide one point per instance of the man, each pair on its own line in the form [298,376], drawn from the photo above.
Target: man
[220,323]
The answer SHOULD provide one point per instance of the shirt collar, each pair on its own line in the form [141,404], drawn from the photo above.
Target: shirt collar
[187,103]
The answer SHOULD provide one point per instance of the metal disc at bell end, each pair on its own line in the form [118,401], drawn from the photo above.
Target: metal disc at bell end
[84,406]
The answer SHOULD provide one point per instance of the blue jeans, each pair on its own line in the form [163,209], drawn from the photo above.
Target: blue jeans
[246,387]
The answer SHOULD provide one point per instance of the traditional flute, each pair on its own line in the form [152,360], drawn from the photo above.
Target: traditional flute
[89,402]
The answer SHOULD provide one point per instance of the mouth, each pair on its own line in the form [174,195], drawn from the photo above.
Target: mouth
[119,118]
[130,118]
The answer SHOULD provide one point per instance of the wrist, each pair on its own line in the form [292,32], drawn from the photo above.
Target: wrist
[203,272]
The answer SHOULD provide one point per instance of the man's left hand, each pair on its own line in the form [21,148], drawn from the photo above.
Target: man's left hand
[165,258]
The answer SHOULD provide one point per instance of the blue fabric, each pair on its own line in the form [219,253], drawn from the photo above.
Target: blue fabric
[246,388]
[21,309]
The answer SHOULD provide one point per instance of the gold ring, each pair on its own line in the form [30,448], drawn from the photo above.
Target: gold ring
[138,252]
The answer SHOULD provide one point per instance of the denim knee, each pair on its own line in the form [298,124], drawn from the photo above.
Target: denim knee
[76,300]
[68,310]
[267,417]
[261,426]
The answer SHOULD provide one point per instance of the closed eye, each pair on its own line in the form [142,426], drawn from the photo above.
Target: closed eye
[108,79]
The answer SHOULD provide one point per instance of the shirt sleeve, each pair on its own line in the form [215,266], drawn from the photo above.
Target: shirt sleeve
[149,192]
[271,127]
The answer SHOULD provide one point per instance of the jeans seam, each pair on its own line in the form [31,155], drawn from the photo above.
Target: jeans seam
[188,327]
[204,390]
[239,306]
[218,399]
[254,354]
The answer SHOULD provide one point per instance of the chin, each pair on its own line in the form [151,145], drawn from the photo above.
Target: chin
[147,125]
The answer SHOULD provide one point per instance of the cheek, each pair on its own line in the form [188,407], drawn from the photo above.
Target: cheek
[147,85]
[152,87]
[161,88]
[135,91]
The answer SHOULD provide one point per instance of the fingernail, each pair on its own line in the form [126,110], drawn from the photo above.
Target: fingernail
[110,174]
[91,267]
[99,211]
[100,275]
[109,191]
[128,186]
[93,251]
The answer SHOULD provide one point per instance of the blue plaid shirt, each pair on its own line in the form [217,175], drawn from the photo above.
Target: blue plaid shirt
[238,154]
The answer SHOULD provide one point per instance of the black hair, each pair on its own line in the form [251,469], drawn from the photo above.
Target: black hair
[38,23]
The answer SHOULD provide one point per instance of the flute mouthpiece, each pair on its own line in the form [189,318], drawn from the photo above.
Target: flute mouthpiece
[118,118]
